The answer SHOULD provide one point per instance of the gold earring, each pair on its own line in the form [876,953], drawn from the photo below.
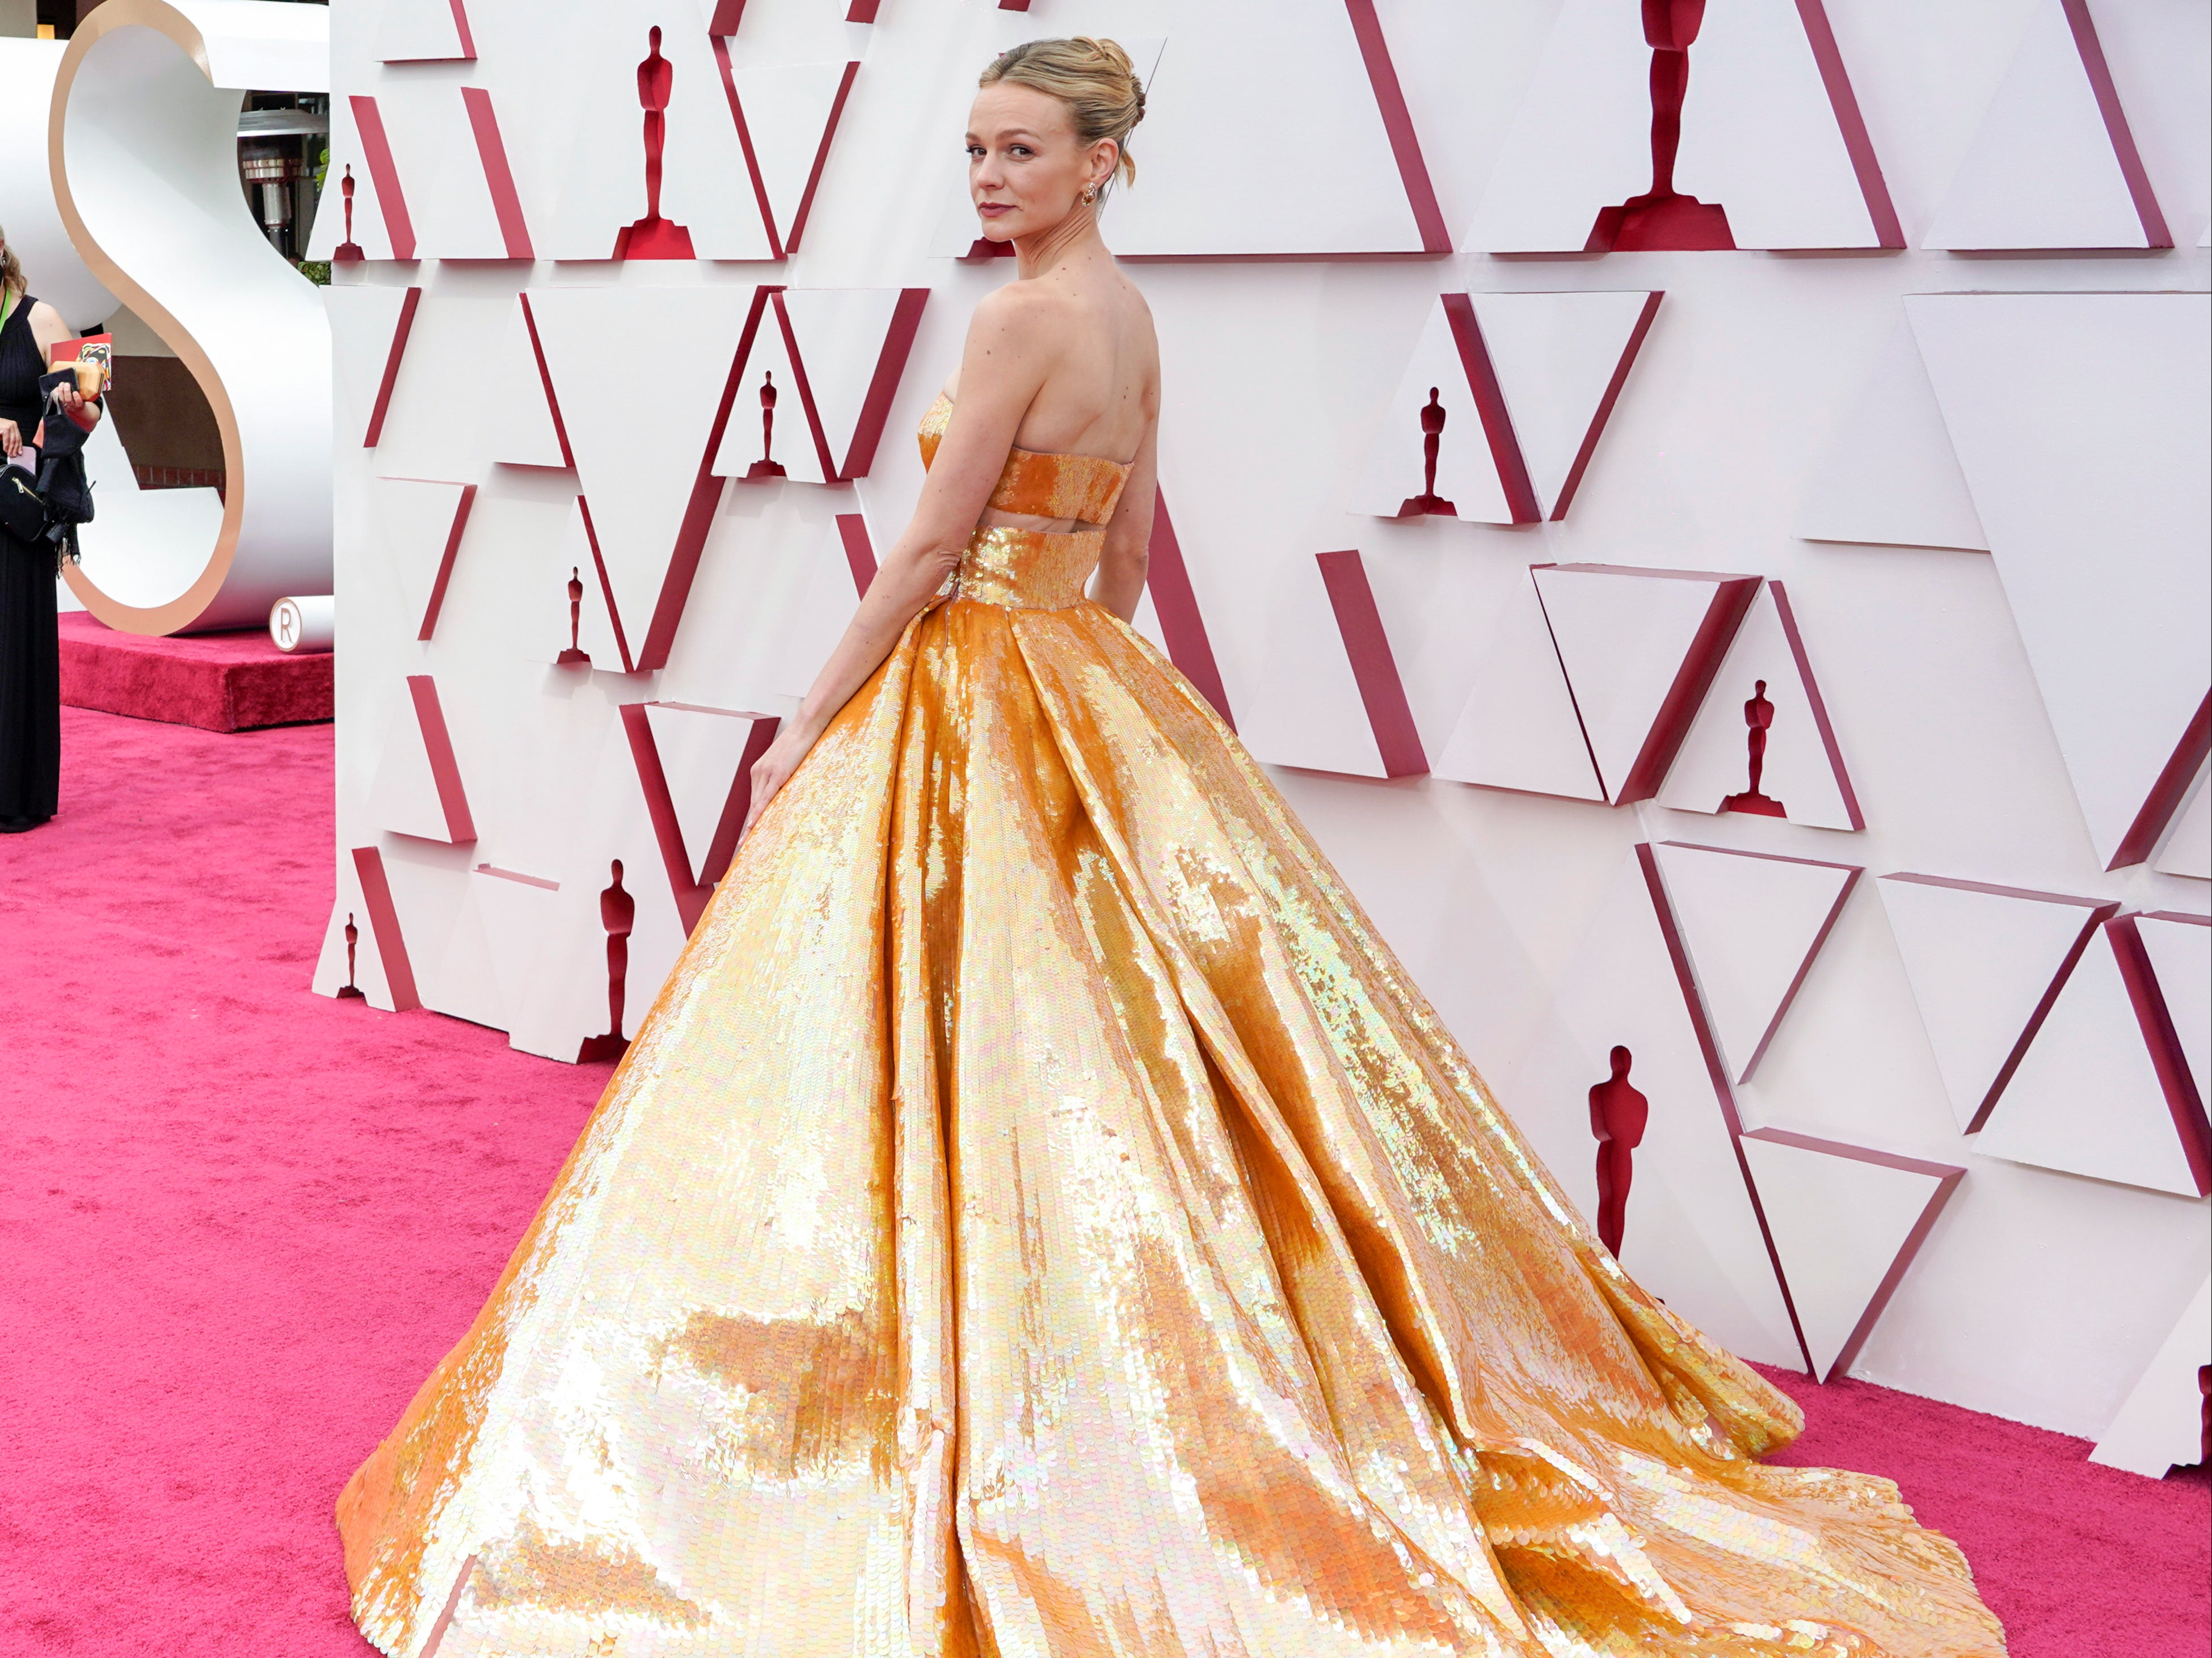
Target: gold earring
[1090,194]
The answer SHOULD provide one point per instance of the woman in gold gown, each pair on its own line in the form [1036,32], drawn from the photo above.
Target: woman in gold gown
[1040,1218]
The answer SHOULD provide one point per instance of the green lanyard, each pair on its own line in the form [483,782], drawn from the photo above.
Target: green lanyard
[7,309]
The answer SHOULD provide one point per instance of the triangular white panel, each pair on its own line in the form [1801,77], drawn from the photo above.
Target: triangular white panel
[517,425]
[1844,1222]
[1692,1236]
[2086,1098]
[843,333]
[1558,356]
[402,795]
[706,184]
[2044,170]
[416,517]
[787,109]
[1466,472]
[463,980]
[1760,135]
[516,913]
[1751,923]
[637,473]
[364,317]
[1627,639]
[1518,728]
[2188,849]
[558,613]
[434,150]
[789,442]
[2180,950]
[1801,770]
[1889,475]
[2083,420]
[1981,960]
[2162,1423]
[700,750]
[423,31]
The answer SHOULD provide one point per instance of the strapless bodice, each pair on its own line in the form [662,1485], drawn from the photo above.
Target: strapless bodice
[1033,569]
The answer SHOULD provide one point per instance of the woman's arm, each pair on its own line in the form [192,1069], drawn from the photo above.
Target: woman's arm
[1010,350]
[1120,582]
[48,329]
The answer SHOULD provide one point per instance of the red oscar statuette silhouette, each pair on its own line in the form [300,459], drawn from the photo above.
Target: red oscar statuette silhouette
[350,993]
[1618,1116]
[617,915]
[766,467]
[654,237]
[1759,715]
[1432,435]
[1662,219]
[348,251]
[574,656]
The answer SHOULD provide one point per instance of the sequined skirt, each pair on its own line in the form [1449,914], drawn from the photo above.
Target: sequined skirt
[1040,1218]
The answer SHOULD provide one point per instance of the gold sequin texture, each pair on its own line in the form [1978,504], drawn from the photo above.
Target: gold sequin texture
[1039,1218]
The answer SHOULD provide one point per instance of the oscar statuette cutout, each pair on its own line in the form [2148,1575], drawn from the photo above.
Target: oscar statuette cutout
[1428,502]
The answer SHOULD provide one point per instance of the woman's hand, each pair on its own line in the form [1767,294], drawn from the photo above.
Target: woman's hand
[72,403]
[11,439]
[773,769]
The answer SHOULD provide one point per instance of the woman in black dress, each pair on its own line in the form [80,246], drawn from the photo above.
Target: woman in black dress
[30,666]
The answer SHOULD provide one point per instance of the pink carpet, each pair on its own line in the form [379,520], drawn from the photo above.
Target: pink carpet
[239,1222]
[219,682]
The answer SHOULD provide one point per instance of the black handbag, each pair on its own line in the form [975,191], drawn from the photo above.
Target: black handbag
[22,508]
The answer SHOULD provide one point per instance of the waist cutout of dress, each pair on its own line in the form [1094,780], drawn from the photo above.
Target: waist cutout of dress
[1027,569]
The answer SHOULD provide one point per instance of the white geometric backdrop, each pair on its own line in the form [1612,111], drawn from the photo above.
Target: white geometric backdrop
[1922,1021]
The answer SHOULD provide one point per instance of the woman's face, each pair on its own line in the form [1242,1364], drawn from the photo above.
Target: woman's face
[1026,169]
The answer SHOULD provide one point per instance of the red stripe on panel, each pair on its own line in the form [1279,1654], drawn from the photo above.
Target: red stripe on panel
[400,331]
[775,249]
[2155,233]
[1181,625]
[461,511]
[1398,122]
[461,28]
[890,368]
[2170,790]
[491,149]
[805,390]
[1373,666]
[1574,479]
[545,380]
[821,159]
[1490,402]
[2156,1019]
[606,587]
[859,551]
[391,201]
[1724,613]
[384,925]
[1816,704]
[445,771]
[1888,233]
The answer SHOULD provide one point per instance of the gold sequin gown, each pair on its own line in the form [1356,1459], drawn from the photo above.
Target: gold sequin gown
[1040,1218]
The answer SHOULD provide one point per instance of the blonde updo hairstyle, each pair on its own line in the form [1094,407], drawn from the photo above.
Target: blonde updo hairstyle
[1094,78]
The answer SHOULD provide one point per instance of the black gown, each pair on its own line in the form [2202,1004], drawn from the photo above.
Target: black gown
[30,656]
